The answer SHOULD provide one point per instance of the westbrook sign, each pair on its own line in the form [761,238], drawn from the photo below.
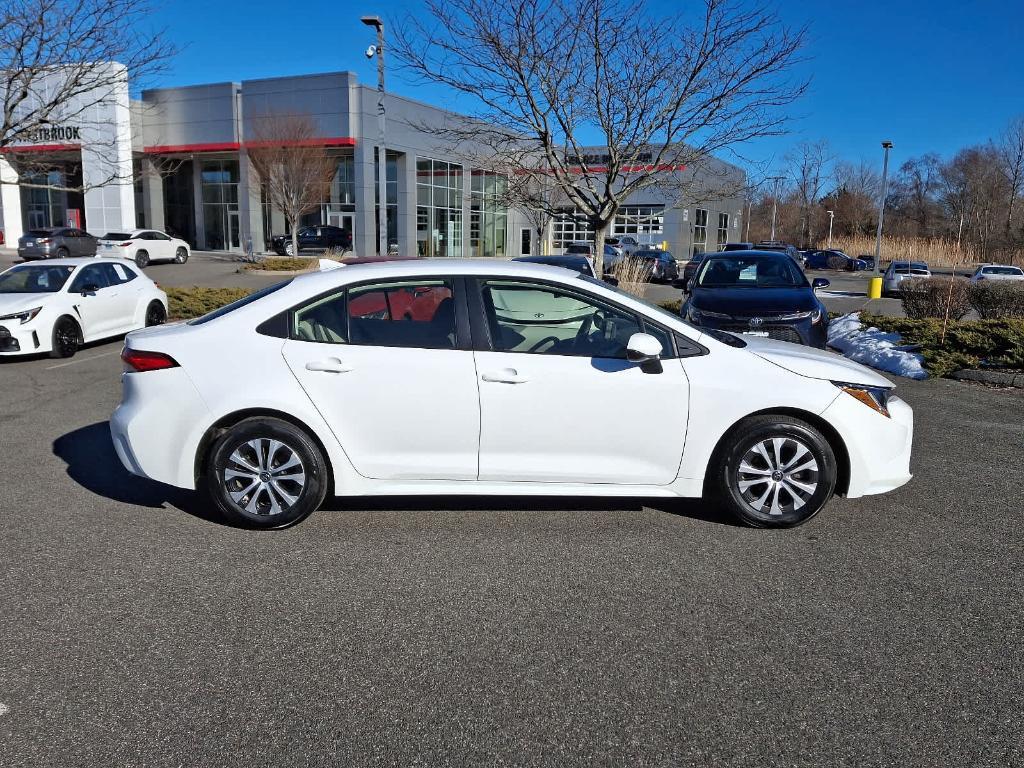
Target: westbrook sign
[50,135]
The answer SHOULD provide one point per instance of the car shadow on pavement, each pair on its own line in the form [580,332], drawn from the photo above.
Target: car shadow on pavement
[93,464]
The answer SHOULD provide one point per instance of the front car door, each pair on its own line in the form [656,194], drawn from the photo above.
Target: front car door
[560,402]
[96,302]
[392,372]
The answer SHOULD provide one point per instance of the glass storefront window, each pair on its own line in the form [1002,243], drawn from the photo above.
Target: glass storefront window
[488,217]
[219,180]
[439,208]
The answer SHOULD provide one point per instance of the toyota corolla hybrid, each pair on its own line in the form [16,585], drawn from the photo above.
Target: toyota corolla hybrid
[485,377]
[56,306]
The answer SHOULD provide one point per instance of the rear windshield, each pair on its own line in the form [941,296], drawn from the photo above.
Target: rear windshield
[39,232]
[116,236]
[35,278]
[578,249]
[237,304]
[1002,271]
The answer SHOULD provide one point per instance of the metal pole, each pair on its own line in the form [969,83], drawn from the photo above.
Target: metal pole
[382,155]
[831,216]
[886,145]
[750,208]
[775,204]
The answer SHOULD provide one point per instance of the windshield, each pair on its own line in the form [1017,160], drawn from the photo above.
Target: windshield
[750,272]
[653,307]
[116,236]
[36,278]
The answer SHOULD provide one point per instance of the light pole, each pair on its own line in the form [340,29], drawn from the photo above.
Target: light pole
[775,203]
[886,145]
[382,157]
[831,216]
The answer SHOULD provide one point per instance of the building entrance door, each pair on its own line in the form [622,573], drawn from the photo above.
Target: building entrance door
[525,241]
[234,241]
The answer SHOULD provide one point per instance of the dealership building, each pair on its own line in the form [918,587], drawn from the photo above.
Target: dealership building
[177,160]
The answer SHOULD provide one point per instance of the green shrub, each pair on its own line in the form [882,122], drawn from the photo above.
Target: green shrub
[934,297]
[672,305]
[997,300]
[968,344]
[284,264]
[186,303]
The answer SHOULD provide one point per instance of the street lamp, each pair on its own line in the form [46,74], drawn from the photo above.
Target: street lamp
[382,197]
[775,203]
[886,145]
[831,216]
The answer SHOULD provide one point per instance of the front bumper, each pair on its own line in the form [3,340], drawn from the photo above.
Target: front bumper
[878,447]
[18,339]
[794,331]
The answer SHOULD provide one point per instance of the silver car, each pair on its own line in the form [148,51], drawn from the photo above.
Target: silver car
[56,243]
[899,271]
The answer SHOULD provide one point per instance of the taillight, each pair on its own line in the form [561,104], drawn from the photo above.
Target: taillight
[42,241]
[125,244]
[142,361]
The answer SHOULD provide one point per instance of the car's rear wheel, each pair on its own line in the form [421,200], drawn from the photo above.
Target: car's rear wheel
[266,473]
[181,256]
[62,253]
[775,472]
[155,314]
[289,249]
[67,338]
[142,259]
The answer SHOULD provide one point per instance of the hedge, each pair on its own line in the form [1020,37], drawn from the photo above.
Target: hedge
[952,298]
[186,303]
[284,264]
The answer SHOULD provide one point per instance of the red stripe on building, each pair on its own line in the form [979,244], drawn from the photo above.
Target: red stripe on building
[330,141]
[166,149]
[42,148]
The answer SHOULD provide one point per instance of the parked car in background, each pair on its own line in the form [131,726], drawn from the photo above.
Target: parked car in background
[778,245]
[690,267]
[625,243]
[56,243]
[319,237]
[143,246]
[997,272]
[898,271]
[516,376]
[576,262]
[757,293]
[663,264]
[833,259]
[738,247]
[56,307]
[868,260]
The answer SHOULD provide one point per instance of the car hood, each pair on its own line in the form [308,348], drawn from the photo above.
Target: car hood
[19,302]
[814,363]
[754,301]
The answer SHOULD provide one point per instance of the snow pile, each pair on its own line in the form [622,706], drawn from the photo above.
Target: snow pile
[329,264]
[872,347]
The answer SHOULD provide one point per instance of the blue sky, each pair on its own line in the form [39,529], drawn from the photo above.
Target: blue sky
[931,75]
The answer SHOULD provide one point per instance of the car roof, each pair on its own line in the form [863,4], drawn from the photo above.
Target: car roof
[752,252]
[75,261]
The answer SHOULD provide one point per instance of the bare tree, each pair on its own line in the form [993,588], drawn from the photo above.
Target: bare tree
[1010,151]
[809,171]
[292,166]
[547,75]
[61,62]
[915,189]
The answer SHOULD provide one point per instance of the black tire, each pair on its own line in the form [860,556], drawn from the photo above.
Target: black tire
[142,259]
[66,338]
[155,314]
[256,509]
[62,253]
[783,498]
[289,250]
[181,255]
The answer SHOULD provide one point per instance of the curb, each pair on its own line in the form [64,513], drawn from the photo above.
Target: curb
[1000,378]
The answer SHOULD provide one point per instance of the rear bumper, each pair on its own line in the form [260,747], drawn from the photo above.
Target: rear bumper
[36,251]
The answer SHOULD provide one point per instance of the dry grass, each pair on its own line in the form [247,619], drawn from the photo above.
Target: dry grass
[935,252]
[634,274]
[284,264]
[186,303]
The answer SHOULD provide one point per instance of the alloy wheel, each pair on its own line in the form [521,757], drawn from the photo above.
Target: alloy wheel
[777,476]
[264,476]
[66,338]
[155,314]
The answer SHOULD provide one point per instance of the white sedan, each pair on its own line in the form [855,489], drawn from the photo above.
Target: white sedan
[997,272]
[490,377]
[143,246]
[56,306]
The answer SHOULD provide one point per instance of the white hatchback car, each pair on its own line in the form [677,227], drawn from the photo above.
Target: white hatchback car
[143,246]
[491,377]
[56,306]
[998,272]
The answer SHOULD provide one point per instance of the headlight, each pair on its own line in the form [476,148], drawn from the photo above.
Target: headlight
[27,316]
[875,398]
[694,315]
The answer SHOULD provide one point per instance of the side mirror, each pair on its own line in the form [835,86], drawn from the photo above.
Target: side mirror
[611,280]
[820,282]
[679,283]
[90,289]
[644,349]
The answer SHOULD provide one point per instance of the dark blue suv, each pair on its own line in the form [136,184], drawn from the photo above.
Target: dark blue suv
[757,293]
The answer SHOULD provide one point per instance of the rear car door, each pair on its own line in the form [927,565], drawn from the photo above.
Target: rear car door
[559,401]
[125,297]
[391,370]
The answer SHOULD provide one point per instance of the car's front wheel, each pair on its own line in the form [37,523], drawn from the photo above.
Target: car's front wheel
[266,473]
[181,255]
[775,472]
[142,259]
[67,338]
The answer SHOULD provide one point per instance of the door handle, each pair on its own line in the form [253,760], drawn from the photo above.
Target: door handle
[330,365]
[505,376]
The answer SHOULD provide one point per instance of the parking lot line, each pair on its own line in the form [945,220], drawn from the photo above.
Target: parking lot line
[82,360]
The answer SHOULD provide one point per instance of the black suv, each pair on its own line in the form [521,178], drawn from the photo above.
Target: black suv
[319,237]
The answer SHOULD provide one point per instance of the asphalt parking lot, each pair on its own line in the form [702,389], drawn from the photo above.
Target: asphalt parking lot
[136,630]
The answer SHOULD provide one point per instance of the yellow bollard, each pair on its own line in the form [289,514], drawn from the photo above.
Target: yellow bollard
[875,288]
